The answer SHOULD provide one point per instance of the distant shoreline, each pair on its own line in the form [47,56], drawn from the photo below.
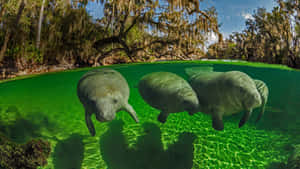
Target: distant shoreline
[40,70]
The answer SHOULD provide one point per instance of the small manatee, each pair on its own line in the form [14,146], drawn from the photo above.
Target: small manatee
[103,92]
[264,94]
[168,93]
[224,93]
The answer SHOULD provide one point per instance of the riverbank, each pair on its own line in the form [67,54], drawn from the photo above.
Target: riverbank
[13,74]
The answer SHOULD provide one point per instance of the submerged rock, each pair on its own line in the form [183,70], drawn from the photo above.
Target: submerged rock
[168,93]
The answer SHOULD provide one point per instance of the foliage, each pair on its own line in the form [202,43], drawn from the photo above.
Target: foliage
[271,37]
[178,25]
[62,32]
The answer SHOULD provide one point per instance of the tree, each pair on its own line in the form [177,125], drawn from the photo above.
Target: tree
[9,31]
[177,24]
[272,37]
[40,25]
[62,32]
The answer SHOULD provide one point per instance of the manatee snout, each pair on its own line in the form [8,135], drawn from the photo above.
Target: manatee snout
[191,105]
[104,117]
[190,101]
[106,109]
[253,100]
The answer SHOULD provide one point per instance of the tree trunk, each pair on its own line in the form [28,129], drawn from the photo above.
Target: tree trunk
[4,47]
[9,33]
[96,61]
[2,11]
[38,39]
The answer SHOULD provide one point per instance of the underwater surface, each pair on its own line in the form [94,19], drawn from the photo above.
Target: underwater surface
[47,107]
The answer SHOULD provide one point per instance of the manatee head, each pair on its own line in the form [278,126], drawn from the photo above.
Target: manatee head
[107,107]
[190,101]
[252,100]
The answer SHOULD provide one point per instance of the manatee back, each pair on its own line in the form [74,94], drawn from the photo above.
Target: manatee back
[240,90]
[101,82]
[194,71]
[164,90]
[204,84]
[236,80]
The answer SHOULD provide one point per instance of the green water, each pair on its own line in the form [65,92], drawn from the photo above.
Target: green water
[47,106]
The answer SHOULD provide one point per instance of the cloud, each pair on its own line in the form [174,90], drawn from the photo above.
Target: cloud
[247,16]
[212,37]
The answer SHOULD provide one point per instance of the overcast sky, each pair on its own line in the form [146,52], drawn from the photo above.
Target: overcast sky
[232,14]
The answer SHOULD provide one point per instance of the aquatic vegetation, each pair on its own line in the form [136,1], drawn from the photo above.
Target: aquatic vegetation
[294,159]
[26,156]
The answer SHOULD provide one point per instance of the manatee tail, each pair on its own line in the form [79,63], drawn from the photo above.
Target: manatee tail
[264,93]
[191,71]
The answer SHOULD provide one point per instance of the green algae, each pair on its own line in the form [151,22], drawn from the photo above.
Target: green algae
[48,103]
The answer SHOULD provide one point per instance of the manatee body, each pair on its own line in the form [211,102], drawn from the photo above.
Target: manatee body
[168,93]
[224,93]
[103,92]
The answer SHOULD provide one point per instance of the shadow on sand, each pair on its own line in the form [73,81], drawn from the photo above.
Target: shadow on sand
[148,153]
[68,154]
[24,129]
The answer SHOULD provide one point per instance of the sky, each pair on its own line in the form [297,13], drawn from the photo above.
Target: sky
[232,14]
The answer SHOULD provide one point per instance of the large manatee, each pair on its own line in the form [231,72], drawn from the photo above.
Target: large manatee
[224,93]
[168,93]
[103,92]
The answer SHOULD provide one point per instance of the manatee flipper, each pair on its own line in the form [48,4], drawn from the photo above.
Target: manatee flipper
[127,107]
[245,118]
[261,113]
[217,121]
[162,117]
[89,123]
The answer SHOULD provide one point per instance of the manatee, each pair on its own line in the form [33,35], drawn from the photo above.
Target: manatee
[103,92]
[224,93]
[264,94]
[168,93]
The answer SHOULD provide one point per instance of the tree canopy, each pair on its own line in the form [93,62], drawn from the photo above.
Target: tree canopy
[271,37]
[62,32]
